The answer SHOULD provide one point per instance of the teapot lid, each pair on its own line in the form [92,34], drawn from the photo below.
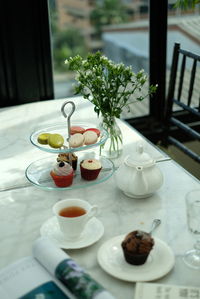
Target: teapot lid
[139,158]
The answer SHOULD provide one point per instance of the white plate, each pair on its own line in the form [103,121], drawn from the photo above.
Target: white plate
[111,259]
[93,231]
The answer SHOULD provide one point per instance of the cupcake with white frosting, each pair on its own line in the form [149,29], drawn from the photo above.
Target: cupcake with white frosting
[90,169]
[62,174]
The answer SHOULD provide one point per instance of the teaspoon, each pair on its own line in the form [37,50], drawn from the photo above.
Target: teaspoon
[155,223]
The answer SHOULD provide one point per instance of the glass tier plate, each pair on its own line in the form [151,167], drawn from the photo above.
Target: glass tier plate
[38,173]
[62,129]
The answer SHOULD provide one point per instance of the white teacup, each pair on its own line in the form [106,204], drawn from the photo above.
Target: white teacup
[73,215]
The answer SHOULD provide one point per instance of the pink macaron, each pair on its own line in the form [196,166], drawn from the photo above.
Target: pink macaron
[76,129]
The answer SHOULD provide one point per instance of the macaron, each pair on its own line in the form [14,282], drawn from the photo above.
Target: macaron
[76,140]
[76,129]
[55,140]
[97,131]
[43,138]
[90,137]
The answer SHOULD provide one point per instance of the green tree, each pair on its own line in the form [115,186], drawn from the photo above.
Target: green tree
[108,12]
[66,43]
[185,4]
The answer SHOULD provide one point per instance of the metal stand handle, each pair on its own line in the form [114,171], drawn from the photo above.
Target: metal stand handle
[68,122]
[69,115]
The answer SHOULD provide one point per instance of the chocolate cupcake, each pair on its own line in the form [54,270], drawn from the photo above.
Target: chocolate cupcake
[64,157]
[137,246]
[90,169]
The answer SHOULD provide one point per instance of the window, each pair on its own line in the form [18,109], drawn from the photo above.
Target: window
[124,39]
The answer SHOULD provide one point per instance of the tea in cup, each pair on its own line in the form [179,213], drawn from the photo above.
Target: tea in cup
[73,215]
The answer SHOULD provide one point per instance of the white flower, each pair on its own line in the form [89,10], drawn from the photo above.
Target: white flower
[76,77]
[141,71]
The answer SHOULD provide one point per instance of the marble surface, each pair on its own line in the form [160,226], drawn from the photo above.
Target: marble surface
[24,209]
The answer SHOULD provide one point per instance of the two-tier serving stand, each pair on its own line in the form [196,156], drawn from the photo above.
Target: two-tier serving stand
[38,172]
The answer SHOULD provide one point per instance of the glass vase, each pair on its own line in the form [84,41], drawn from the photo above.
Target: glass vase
[112,148]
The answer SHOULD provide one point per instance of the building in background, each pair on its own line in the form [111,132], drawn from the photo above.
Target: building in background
[126,42]
[129,43]
[76,13]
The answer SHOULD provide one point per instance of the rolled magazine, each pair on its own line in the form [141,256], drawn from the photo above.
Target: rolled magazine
[67,271]
[49,274]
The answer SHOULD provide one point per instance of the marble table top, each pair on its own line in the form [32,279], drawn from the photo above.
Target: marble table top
[24,208]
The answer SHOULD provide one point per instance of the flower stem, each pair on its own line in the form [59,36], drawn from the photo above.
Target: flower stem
[114,142]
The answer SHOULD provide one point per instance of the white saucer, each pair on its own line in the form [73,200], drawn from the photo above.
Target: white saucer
[93,231]
[111,259]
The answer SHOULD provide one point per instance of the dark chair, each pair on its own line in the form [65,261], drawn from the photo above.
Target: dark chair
[182,115]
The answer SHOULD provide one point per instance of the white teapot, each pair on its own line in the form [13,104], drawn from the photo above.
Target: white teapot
[138,176]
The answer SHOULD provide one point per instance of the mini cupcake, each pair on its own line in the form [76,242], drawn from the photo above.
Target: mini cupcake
[62,174]
[137,246]
[64,157]
[90,169]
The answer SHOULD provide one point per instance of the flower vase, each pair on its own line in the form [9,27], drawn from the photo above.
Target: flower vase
[112,148]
